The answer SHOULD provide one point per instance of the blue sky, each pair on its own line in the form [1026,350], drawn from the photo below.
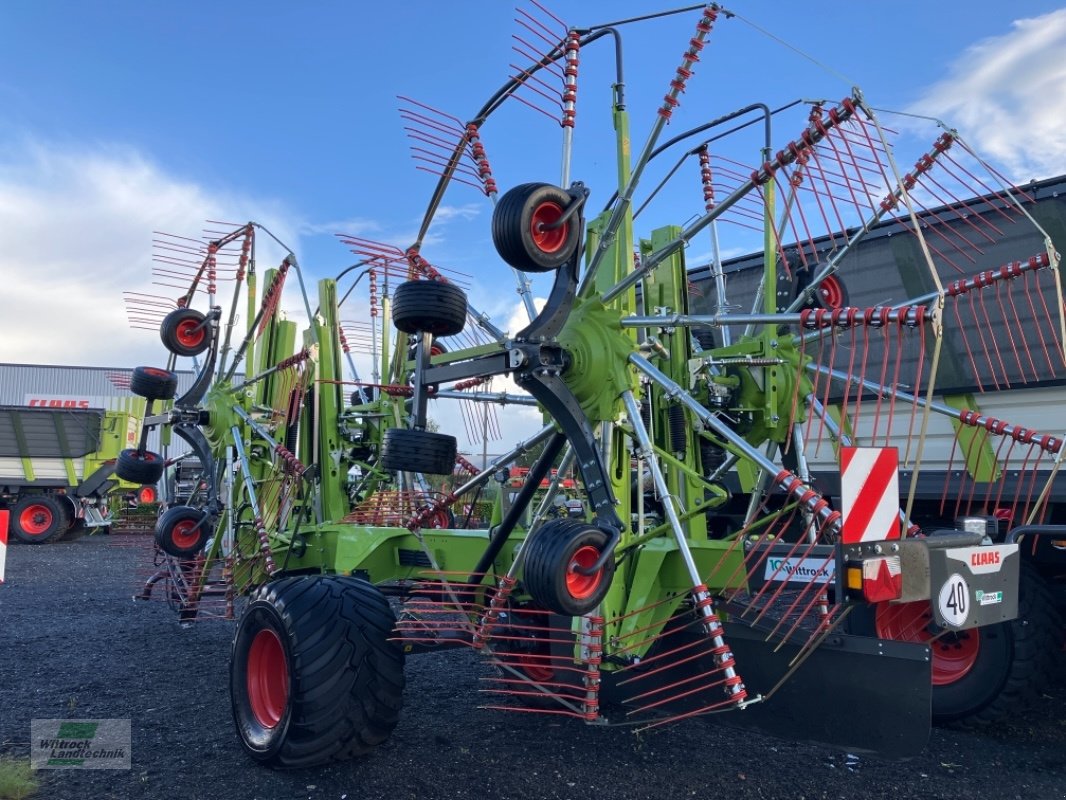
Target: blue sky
[121,118]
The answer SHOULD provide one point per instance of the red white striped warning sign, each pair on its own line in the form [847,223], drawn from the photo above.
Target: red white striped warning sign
[869,493]
[3,543]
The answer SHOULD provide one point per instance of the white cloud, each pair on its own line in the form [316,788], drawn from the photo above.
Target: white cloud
[1007,96]
[467,212]
[77,229]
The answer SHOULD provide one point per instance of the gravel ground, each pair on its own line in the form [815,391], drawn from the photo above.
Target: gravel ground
[74,645]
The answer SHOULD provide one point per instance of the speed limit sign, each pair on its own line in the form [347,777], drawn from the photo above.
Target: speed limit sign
[954,601]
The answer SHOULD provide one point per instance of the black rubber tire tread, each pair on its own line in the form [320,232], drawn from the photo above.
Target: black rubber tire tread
[418,451]
[164,528]
[511,223]
[57,526]
[429,307]
[1004,689]
[547,558]
[168,332]
[370,392]
[139,466]
[153,383]
[346,678]
[76,530]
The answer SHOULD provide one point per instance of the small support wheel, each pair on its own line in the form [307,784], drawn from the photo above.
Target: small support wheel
[830,295]
[553,556]
[139,466]
[418,451]
[429,307]
[314,677]
[153,383]
[182,531]
[184,332]
[37,518]
[522,228]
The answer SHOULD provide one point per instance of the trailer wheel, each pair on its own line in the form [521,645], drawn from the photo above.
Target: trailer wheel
[984,675]
[153,383]
[182,531]
[36,518]
[429,307]
[73,526]
[76,530]
[520,229]
[139,466]
[418,451]
[184,333]
[551,556]
[313,676]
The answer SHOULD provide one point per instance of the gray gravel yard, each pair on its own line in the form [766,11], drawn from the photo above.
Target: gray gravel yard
[73,644]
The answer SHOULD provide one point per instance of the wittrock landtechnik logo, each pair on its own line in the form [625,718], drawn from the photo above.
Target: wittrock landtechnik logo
[80,743]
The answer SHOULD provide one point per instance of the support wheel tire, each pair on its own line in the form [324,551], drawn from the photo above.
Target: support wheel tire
[551,556]
[830,295]
[314,678]
[182,531]
[139,466]
[429,307]
[518,228]
[153,383]
[37,518]
[418,451]
[184,333]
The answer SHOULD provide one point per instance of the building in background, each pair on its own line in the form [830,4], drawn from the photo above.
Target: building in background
[60,386]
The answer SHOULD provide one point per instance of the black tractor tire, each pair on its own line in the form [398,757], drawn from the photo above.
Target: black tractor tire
[37,518]
[153,383]
[429,307]
[183,332]
[418,451]
[518,232]
[314,677]
[548,571]
[76,530]
[982,676]
[182,531]
[1016,663]
[369,392]
[139,466]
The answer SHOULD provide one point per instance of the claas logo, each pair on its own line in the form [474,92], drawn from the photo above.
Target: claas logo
[43,402]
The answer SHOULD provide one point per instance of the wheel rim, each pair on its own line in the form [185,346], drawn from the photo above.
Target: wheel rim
[189,333]
[268,678]
[548,240]
[35,519]
[439,519]
[185,534]
[832,293]
[155,372]
[581,587]
[144,456]
[534,668]
[954,654]
[146,495]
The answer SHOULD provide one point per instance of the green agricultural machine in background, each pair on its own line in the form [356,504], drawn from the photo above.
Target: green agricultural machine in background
[57,469]
[707,573]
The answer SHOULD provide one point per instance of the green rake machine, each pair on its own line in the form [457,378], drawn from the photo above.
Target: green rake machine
[708,574]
